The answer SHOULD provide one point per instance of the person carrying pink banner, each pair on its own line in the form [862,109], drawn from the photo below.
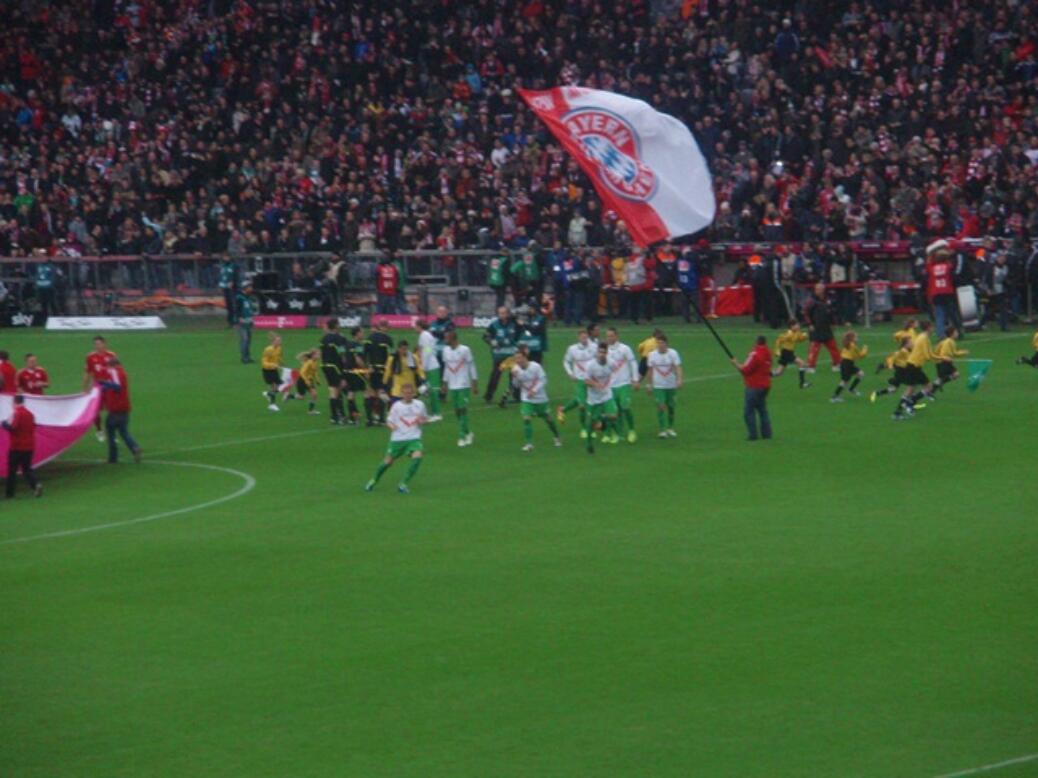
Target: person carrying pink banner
[60,421]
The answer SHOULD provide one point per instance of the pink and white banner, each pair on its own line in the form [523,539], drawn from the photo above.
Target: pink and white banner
[60,422]
[645,165]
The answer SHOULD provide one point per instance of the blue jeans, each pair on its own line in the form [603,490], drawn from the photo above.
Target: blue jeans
[755,405]
[385,303]
[245,341]
[119,423]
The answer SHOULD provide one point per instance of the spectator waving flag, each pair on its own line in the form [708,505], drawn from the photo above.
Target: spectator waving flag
[644,164]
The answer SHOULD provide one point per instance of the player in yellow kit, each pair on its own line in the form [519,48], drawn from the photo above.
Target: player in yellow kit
[909,330]
[917,385]
[1033,359]
[307,381]
[898,360]
[850,373]
[270,364]
[785,345]
[645,348]
[948,350]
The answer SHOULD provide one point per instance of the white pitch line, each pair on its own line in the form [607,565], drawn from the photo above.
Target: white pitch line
[240,441]
[247,487]
[986,768]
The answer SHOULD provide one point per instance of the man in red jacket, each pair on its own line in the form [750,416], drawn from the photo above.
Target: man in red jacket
[940,286]
[756,374]
[117,402]
[8,375]
[22,429]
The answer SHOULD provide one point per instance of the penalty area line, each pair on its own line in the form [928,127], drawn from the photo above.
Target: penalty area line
[249,483]
[987,768]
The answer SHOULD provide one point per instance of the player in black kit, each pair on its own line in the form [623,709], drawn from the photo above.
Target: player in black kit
[377,349]
[333,355]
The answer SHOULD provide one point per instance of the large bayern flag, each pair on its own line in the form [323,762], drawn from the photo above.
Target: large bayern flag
[60,422]
[645,164]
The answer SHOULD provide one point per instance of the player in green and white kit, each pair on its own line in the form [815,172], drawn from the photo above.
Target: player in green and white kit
[533,394]
[625,375]
[578,356]
[665,376]
[431,366]
[405,421]
[460,370]
[601,407]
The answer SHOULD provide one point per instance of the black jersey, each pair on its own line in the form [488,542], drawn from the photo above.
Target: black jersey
[377,349]
[333,349]
[354,355]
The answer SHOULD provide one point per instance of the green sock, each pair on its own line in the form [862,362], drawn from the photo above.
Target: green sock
[570,406]
[527,431]
[583,414]
[611,426]
[551,426]
[416,462]
[661,417]
[618,424]
[463,422]
[434,400]
[670,416]
[382,468]
[630,420]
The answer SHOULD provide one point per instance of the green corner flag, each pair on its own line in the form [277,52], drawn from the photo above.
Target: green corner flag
[978,369]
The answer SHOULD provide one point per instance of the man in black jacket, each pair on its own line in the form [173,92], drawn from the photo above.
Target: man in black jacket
[820,318]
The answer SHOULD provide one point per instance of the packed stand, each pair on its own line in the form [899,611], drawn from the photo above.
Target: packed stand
[187,127]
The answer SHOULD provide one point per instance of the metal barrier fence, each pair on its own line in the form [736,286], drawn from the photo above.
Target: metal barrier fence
[85,284]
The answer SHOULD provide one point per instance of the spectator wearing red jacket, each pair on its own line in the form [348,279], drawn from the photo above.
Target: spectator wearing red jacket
[8,375]
[22,429]
[756,375]
[940,286]
[32,379]
[117,402]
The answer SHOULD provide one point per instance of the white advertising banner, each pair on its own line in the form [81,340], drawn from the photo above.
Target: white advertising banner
[98,323]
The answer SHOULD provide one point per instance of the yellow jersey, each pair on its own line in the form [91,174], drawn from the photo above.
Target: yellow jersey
[618,269]
[409,373]
[899,358]
[922,352]
[647,346]
[271,359]
[908,332]
[788,340]
[308,372]
[947,348]
[853,352]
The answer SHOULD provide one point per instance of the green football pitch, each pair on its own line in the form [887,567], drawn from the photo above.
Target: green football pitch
[856,597]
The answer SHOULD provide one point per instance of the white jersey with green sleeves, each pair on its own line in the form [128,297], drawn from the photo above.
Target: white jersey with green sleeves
[664,368]
[459,367]
[532,382]
[623,364]
[577,359]
[427,350]
[600,374]
[403,420]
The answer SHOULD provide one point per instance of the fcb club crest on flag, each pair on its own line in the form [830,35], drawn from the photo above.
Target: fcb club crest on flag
[645,165]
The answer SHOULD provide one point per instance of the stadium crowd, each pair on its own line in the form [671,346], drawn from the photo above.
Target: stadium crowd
[153,126]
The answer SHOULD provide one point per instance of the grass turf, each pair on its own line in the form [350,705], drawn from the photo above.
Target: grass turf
[853,598]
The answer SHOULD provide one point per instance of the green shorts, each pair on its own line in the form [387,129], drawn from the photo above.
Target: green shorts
[432,377]
[664,396]
[460,398]
[623,395]
[533,409]
[398,449]
[606,409]
[580,392]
